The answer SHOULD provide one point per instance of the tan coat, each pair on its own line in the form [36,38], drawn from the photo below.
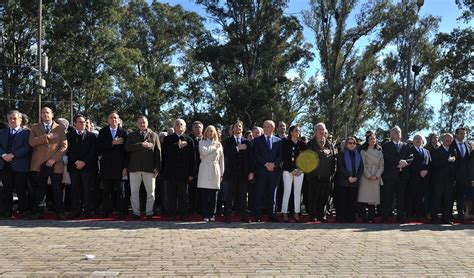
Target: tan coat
[45,149]
[369,190]
[211,168]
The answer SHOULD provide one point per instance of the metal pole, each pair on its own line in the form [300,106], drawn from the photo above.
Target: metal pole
[40,27]
[71,108]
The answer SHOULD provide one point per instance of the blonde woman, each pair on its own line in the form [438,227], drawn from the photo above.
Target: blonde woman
[211,171]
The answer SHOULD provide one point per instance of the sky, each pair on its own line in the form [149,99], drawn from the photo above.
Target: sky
[447,10]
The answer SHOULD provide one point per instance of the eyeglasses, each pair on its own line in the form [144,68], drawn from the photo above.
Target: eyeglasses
[351,143]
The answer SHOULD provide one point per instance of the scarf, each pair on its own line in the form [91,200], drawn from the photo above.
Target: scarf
[348,160]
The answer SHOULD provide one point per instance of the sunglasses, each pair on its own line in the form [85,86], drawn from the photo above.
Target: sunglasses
[351,143]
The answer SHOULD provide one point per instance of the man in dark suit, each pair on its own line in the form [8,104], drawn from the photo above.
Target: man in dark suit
[268,157]
[178,168]
[463,151]
[418,182]
[443,160]
[238,171]
[196,135]
[14,164]
[397,157]
[113,164]
[81,164]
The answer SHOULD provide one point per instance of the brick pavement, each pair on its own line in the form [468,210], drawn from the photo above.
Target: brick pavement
[57,248]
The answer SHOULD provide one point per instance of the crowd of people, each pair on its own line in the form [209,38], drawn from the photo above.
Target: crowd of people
[79,170]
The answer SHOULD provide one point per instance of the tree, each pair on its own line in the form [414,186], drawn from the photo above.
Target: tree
[414,54]
[343,98]
[17,56]
[248,57]
[153,38]
[456,82]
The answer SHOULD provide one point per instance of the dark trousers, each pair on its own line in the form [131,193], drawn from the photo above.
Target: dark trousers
[415,193]
[346,203]
[40,191]
[13,179]
[367,212]
[208,202]
[459,194]
[266,185]
[178,196]
[442,199]
[193,197]
[81,187]
[236,189]
[116,192]
[393,187]
[319,189]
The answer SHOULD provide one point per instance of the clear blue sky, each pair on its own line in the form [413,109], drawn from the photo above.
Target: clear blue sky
[447,10]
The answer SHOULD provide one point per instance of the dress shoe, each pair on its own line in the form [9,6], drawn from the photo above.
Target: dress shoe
[228,219]
[245,219]
[184,218]
[285,218]
[258,219]
[60,216]
[136,217]
[149,217]
[297,218]
[36,215]
[273,218]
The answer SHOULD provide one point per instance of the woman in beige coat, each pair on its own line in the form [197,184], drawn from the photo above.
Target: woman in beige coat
[369,188]
[211,171]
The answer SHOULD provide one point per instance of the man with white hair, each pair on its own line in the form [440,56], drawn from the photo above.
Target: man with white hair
[416,191]
[320,179]
[444,159]
[268,156]
[178,168]
[397,157]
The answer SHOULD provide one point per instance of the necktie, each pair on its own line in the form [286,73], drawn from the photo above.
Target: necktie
[47,128]
[398,146]
[269,145]
[12,131]
[113,133]
[237,139]
[143,135]
[461,149]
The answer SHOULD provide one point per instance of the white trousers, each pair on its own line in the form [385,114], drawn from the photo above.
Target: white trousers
[297,181]
[136,179]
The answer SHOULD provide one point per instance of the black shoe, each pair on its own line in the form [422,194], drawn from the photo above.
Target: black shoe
[88,215]
[59,216]
[228,219]
[384,220]
[149,217]
[36,215]
[402,220]
[258,219]
[184,218]
[245,219]
[136,217]
[273,218]
[448,222]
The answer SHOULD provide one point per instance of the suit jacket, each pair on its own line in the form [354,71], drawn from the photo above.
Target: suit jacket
[264,155]
[392,157]
[179,162]
[113,158]
[45,149]
[443,171]
[461,165]
[421,161]
[196,153]
[237,162]
[290,152]
[143,159]
[83,148]
[20,149]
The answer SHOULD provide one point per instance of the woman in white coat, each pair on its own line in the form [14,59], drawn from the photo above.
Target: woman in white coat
[211,171]
[369,187]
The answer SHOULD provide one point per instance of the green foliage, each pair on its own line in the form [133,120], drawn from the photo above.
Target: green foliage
[248,59]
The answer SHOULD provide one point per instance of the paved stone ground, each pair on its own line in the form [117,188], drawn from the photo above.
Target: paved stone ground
[57,248]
